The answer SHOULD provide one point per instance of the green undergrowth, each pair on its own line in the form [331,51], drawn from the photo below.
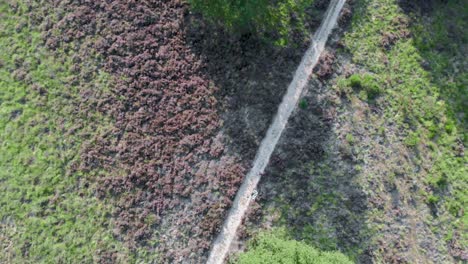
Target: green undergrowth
[48,213]
[417,76]
[275,247]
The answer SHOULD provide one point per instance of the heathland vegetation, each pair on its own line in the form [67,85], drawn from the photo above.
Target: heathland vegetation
[126,127]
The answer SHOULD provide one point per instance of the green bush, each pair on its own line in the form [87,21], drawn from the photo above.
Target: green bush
[450,127]
[432,199]
[366,83]
[258,16]
[303,104]
[350,138]
[275,247]
[355,81]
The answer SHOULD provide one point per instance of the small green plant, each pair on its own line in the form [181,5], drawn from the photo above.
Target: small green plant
[355,81]
[433,199]
[368,86]
[449,127]
[303,104]
[442,182]
[350,138]
[372,89]
[448,236]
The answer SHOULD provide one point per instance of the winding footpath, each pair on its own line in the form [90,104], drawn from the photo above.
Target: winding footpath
[244,195]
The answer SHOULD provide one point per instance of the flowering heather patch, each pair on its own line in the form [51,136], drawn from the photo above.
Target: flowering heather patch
[168,171]
[163,163]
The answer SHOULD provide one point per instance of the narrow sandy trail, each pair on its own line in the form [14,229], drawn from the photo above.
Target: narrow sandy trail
[244,195]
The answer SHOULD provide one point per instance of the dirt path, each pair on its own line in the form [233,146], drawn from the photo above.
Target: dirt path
[244,195]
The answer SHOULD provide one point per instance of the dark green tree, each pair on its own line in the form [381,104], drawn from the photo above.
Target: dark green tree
[262,17]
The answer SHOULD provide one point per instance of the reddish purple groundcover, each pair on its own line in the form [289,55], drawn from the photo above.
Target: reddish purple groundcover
[165,153]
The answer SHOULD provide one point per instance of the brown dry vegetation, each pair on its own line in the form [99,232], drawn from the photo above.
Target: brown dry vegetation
[164,163]
[164,155]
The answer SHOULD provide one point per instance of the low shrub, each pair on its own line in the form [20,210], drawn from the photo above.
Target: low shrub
[366,83]
[276,247]
[350,138]
[303,104]
[355,81]
[432,199]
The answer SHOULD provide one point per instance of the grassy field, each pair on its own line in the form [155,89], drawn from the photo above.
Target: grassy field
[391,182]
[418,63]
[49,213]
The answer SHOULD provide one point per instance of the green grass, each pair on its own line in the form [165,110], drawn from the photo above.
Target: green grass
[428,104]
[411,94]
[48,210]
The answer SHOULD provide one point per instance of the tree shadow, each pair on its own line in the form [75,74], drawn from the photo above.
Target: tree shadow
[307,174]
[310,185]
[251,75]
[309,171]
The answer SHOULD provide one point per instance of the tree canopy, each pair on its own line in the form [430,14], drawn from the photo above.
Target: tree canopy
[275,247]
[278,18]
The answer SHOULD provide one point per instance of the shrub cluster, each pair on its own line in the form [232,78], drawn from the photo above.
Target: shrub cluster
[277,248]
[367,84]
